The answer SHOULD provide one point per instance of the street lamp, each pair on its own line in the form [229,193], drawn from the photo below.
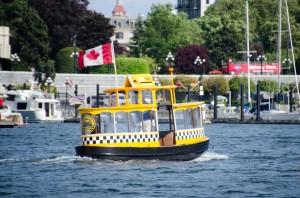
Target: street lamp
[287,62]
[199,61]
[49,81]
[170,59]
[74,53]
[261,58]
[15,58]
[155,78]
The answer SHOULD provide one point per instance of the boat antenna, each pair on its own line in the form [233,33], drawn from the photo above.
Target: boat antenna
[279,45]
[248,54]
[292,49]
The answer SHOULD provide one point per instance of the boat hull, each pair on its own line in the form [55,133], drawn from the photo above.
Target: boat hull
[170,153]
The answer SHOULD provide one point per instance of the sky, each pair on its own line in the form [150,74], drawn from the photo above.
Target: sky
[132,7]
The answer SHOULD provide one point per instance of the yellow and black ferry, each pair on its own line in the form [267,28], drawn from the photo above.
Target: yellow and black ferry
[145,123]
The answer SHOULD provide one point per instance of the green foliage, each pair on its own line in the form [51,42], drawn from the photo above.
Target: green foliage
[220,81]
[152,64]
[63,62]
[164,31]
[164,81]
[186,81]
[268,85]
[124,66]
[236,81]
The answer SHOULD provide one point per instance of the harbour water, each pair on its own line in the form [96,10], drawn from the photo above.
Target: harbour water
[244,160]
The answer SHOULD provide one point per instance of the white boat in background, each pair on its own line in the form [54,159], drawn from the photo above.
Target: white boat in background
[7,115]
[35,106]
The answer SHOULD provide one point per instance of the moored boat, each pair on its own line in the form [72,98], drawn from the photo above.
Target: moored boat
[35,106]
[148,125]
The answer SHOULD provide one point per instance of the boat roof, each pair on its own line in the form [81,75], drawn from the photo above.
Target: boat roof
[139,81]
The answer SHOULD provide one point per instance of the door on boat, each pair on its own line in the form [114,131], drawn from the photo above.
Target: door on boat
[165,118]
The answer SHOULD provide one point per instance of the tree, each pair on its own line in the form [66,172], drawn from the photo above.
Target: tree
[63,62]
[223,37]
[185,60]
[220,81]
[164,31]
[31,41]
[95,30]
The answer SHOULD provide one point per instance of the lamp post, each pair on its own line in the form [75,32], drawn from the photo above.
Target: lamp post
[170,59]
[261,58]
[287,62]
[74,53]
[68,83]
[198,61]
[15,58]
[49,81]
[201,91]
[155,78]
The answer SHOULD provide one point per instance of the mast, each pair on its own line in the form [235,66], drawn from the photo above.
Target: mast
[292,49]
[248,55]
[279,44]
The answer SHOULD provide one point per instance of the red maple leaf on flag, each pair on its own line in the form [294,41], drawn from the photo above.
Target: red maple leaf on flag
[93,55]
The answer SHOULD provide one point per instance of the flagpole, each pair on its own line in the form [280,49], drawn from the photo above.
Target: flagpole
[114,60]
[85,99]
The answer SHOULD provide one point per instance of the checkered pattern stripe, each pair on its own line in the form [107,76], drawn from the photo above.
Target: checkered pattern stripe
[189,134]
[109,139]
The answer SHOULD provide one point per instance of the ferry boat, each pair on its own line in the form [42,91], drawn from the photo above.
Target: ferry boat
[150,124]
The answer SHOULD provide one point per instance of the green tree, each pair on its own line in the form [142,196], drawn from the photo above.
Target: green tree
[223,37]
[163,32]
[32,39]
[63,62]
[95,30]
[220,81]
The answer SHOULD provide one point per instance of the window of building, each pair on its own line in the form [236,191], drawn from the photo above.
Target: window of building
[207,1]
[119,24]
[119,35]
[131,24]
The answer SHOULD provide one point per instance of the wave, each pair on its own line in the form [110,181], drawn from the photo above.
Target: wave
[209,156]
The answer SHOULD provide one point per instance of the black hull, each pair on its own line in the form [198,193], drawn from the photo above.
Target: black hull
[172,153]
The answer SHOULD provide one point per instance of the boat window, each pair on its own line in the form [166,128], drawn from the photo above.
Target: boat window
[10,97]
[180,119]
[163,97]
[196,117]
[40,105]
[188,119]
[122,122]
[147,97]
[21,105]
[122,97]
[135,121]
[133,97]
[107,123]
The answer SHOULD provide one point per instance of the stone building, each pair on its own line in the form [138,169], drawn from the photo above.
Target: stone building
[124,25]
[5,49]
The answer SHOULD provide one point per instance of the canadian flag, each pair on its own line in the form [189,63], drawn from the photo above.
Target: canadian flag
[99,55]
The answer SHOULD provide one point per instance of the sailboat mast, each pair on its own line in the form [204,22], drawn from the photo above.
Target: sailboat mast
[279,44]
[248,55]
[292,48]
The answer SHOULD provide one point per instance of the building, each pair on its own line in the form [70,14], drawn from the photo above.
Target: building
[194,8]
[5,49]
[124,25]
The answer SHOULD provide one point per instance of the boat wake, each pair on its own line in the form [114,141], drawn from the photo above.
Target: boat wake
[208,156]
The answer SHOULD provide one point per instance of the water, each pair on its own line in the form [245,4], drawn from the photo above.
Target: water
[243,161]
